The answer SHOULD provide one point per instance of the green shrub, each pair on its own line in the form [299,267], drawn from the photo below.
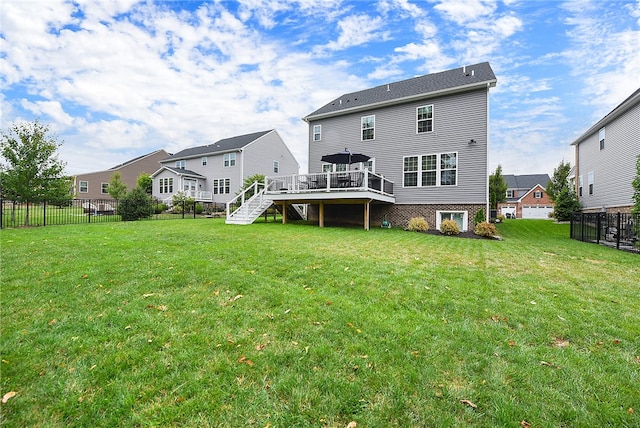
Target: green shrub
[500,218]
[485,229]
[199,208]
[479,217]
[449,227]
[418,224]
[160,208]
[135,205]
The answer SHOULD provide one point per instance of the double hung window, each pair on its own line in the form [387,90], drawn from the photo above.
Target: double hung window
[229,159]
[368,127]
[221,186]
[424,117]
[317,132]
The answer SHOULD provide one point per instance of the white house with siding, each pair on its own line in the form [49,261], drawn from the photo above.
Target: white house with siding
[215,172]
[605,159]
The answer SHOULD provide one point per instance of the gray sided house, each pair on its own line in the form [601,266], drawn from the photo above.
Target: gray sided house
[427,135]
[605,163]
[215,172]
[94,185]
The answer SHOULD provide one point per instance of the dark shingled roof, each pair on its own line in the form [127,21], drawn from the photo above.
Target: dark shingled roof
[180,171]
[430,84]
[526,181]
[224,145]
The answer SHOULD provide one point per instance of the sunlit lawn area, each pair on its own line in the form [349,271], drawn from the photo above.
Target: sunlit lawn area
[198,323]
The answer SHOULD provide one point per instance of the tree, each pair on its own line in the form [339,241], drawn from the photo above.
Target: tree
[636,188]
[560,179]
[146,182]
[117,189]
[30,170]
[565,201]
[497,188]
[248,182]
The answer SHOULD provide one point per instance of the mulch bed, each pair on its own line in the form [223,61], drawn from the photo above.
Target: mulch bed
[467,234]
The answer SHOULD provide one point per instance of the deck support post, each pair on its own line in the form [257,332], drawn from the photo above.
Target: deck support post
[284,212]
[366,215]
[321,215]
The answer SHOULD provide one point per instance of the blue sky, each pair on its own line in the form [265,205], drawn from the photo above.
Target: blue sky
[120,78]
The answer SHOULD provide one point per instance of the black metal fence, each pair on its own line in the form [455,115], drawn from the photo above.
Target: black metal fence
[619,230]
[79,211]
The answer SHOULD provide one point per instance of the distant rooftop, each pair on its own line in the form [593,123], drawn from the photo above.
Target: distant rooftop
[224,145]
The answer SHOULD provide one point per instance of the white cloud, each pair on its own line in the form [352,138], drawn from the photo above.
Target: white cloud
[356,30]
[464,11]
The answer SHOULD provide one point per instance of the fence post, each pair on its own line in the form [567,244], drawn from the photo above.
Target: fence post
[582,227]
[44,213]
[1,213]
[619,230]
[599,226]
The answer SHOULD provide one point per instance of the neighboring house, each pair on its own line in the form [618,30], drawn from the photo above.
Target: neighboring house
[94,185]
[427,135]
[215,172]
[605,163]
[526,197]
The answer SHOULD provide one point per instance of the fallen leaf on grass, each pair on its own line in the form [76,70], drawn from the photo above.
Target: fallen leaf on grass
[261,346]
[352,424]
[8,396]
[162,308]
[53,321]
[469,403]
[245,360]
[525,424]
[144,296]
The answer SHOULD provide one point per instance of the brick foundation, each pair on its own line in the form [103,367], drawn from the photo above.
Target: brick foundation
[398,215]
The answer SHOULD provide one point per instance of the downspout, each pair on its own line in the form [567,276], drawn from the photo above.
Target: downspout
[241,166]
[487,210]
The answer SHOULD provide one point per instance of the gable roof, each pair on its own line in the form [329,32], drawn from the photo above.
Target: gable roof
[622,108]
[221,146]
[122,165]
[430,85]
[178,171]
[526,181]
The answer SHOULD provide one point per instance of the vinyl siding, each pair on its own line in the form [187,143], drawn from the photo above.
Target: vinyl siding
[614,167]
[258,156]
[129,174]
[458,118]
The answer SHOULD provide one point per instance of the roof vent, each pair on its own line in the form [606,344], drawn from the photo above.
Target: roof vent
[473,73]
[388,88]
[464,69]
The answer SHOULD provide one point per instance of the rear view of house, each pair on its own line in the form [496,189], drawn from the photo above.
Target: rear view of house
[215,172]
[427,135]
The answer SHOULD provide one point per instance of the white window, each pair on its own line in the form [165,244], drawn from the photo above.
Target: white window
[430,170]
[84,186]
[221,186]
[601,138]
[104,188]
[166,185]
[460,217]
[424,118]
[511,193]
[590,183]
[537,194]
[370,165]
[579,185]
[229,159]
[368,124]
[181,164]
[189,184]
[204,161]
[317,132]
[333,167]
[276,167]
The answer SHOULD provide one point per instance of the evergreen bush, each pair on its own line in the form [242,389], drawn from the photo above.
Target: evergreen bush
[449,227]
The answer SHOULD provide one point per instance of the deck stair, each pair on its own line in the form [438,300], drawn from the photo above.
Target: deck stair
[251,207]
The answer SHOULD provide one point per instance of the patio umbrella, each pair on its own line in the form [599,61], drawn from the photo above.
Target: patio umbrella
[346,157]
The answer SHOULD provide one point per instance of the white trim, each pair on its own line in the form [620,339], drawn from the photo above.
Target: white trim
[465,218]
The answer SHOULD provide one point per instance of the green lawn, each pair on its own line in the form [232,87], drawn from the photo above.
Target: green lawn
[198,323]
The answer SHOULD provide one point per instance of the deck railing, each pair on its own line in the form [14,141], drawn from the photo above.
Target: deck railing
[329,182]
[621,230]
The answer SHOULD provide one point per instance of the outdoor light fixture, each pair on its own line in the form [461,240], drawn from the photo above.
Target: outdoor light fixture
[472,141]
